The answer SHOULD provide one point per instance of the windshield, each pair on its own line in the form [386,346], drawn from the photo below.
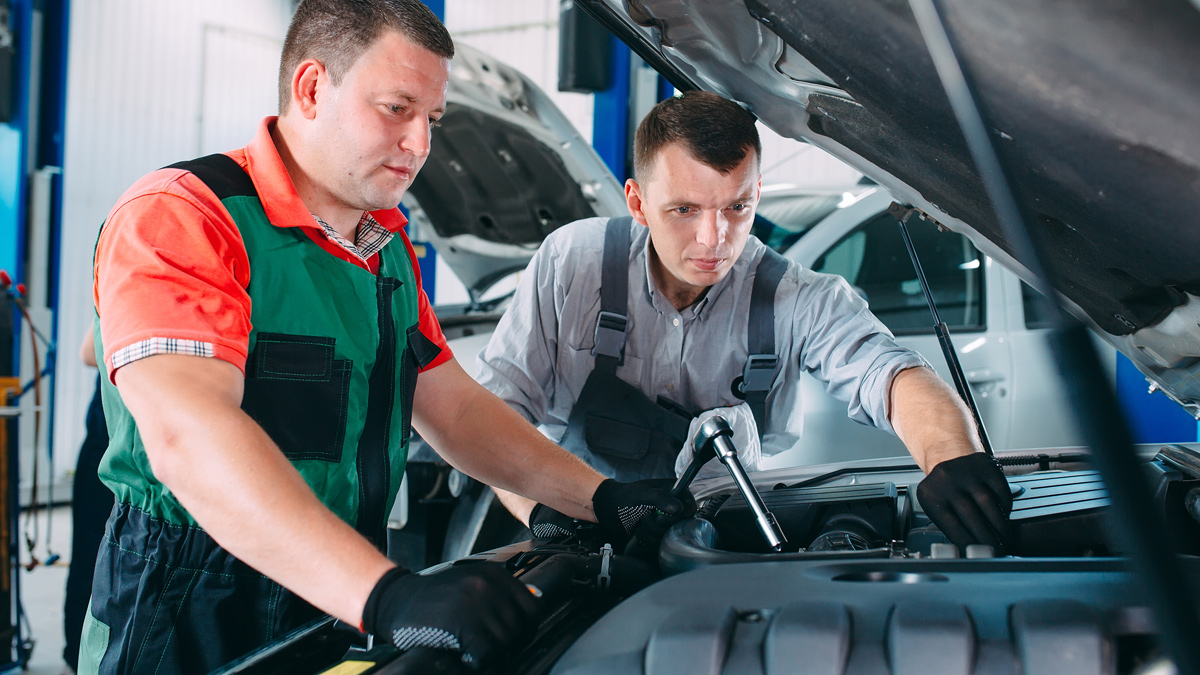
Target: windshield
[781,220]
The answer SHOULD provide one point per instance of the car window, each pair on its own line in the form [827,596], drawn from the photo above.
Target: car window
[1038,311]
[874,260]
[782,219]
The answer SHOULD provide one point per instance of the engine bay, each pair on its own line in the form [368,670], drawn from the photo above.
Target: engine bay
[1054,514]
[865,584]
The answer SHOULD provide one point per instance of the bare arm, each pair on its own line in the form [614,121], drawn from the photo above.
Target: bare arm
[930,418]
[520,507]
[87,349]
[239,487]
[481,436]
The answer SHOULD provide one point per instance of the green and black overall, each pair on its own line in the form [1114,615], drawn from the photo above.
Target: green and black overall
[333,359]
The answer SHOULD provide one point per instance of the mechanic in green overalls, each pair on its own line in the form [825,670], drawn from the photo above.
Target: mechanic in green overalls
[266,344]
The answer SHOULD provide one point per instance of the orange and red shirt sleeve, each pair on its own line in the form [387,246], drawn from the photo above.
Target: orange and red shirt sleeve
[170,274]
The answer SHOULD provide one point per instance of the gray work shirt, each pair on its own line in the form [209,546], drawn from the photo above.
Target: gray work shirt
[540,353]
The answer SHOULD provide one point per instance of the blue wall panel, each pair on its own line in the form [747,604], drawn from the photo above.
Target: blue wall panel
[13,144]
[438,7]
[1153,418]
[610,122]
[12,179]
[665,89]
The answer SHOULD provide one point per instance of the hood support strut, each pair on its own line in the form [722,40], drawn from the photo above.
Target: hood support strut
[902,214]
[1141,530]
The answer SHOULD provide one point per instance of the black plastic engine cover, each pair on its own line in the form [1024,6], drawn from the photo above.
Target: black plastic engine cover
[1060,514]
[803,513]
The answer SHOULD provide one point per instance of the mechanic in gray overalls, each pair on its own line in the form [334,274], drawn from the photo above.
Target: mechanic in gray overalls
[621,330]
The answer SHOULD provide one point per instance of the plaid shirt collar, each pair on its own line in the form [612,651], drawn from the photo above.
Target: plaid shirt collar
[369,237]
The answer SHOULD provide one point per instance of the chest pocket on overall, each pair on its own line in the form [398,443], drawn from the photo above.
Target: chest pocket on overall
[299,394]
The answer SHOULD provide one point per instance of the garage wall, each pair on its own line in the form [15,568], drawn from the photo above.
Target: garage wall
[149,83]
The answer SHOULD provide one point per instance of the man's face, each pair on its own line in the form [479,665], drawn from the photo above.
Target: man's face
[372,132]
[699,219]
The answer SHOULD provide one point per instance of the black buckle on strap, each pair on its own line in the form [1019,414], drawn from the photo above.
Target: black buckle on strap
[758,372]
[610,335]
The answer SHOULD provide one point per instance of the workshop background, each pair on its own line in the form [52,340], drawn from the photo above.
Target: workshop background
[101,92]
[152,82]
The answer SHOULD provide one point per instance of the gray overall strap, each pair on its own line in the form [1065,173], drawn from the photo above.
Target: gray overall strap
[759,370]
[614,296]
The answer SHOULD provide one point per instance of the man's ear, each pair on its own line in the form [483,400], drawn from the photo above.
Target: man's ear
[308,79]
[633,199]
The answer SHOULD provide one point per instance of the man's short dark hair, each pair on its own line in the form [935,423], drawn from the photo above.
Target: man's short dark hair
[337,32]
[713,129]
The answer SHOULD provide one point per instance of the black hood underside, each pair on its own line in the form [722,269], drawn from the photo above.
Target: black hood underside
[1096,105]
[495,181]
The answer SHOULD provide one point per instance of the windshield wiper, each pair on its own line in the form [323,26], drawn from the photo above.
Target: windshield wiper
[1140,528]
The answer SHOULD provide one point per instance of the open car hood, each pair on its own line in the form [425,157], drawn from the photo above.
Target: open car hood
[506,169]
[1096,106]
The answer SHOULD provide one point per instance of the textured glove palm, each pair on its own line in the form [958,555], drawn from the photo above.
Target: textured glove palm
[645,507]
[476,609]
[546,523]
[969,500]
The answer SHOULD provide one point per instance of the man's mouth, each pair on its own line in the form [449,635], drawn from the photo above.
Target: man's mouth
[401,172]
[707,264]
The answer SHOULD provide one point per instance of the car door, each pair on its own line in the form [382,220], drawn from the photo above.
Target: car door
[863,244]
[1044,404]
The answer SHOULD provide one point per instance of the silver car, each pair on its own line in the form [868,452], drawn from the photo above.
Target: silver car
[998,322]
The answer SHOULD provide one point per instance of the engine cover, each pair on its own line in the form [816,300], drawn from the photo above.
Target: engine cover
[1053,616]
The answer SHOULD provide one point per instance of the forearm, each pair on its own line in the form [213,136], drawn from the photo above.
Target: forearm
[484,438]
[256,506]
[930,418]
[246,495]
[517,505]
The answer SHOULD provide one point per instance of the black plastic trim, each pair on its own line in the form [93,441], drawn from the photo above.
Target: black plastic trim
[374,469]
[221,174]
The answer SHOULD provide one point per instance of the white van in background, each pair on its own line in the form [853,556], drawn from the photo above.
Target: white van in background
[997,322]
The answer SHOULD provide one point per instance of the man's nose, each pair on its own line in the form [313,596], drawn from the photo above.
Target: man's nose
[416,137]
[712,230]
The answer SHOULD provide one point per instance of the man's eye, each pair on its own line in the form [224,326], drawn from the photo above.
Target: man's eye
[683,210]
[738,207]
[396,109]
[434,123]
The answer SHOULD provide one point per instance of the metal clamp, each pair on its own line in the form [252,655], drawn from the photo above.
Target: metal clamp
[610,335]
[604,579]
[758,372]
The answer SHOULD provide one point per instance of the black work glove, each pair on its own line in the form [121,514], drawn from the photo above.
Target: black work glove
[546,523]
[476,609]
[969,500]
[645,507]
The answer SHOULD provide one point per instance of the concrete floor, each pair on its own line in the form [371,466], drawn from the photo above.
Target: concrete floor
[42,592]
